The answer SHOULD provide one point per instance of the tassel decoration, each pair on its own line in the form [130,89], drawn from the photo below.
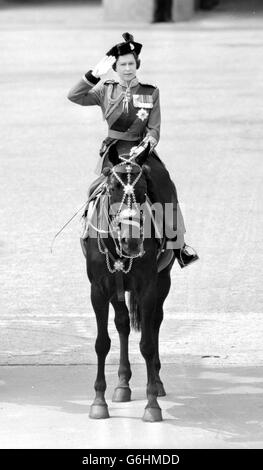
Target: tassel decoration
[128,37]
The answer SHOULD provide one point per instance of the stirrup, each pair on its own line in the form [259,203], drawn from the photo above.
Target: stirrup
[186,255]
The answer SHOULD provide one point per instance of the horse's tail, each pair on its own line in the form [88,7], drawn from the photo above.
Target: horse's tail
[134,310]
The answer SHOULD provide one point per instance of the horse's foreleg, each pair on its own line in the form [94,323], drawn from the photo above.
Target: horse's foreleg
[147,346]
[122,392]
[99,408]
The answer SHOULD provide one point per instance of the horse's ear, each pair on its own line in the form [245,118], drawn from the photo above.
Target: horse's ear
[146,170]
[143,156]
[106,171]
[113,155]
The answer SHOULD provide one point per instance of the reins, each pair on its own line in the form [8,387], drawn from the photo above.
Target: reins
[129,192]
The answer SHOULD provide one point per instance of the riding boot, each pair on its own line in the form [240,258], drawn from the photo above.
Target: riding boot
[161,188]
[184,254]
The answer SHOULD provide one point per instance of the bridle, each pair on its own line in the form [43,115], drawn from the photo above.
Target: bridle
[130,159]
[117,265]
[126,211]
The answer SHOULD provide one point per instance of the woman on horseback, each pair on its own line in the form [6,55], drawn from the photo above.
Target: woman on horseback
[132,111]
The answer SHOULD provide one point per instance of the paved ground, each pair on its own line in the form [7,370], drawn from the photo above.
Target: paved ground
[209,72]
[47,407]
[210,75]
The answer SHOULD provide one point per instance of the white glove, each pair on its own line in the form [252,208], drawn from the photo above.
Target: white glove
[135,151]
[150,140]
[103,66]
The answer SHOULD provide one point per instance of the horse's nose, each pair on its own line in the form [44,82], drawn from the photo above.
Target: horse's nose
[132,246]
[126,240]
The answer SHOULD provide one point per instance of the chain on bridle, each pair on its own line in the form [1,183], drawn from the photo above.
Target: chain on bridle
[126,211]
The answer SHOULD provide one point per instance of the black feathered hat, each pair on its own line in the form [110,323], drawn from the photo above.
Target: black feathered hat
[127,47]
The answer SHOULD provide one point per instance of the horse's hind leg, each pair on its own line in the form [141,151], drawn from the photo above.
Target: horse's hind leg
[122,392]
[164,283]
[157,362]
[99,408]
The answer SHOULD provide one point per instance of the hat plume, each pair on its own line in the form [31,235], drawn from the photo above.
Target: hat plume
[128,37]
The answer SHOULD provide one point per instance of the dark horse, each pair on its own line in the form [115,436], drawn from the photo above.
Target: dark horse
[127,261]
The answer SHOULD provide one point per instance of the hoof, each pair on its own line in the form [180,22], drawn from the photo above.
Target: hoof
[122,394]
[152,415]
[161,391]
[99,412]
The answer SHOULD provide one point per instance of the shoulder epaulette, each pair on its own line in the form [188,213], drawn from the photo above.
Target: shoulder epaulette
[148,84]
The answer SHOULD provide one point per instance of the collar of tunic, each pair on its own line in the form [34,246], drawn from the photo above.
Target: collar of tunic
[134,82]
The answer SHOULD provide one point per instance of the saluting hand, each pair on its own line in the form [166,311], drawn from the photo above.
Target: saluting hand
[103,66]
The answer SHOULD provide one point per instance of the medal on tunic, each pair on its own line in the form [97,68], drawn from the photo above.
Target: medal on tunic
[126,100]
[142,114]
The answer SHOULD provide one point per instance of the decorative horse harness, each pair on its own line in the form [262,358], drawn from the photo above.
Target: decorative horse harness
[125,214]
[127,210]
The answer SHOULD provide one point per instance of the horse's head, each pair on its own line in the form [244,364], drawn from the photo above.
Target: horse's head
[127,189]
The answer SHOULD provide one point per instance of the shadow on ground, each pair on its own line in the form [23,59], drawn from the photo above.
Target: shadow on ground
[223,403]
